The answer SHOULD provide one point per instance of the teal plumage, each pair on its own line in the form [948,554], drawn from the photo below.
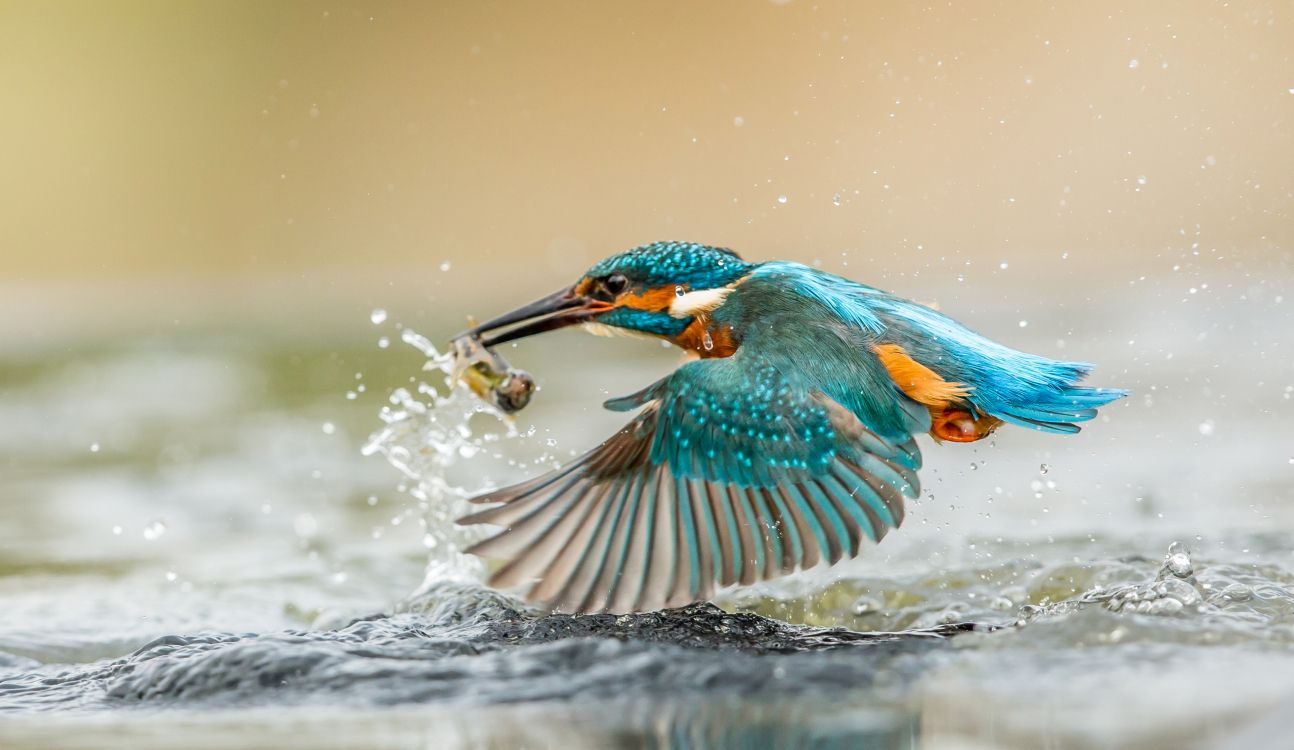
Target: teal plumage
[1020,388]
[790,442]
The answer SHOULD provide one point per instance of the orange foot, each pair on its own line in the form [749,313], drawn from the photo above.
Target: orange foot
[959,426]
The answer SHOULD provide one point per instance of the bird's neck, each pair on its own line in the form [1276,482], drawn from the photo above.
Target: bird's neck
[706,338]
[710,330]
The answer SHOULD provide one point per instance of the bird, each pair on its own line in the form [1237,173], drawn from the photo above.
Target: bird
[786,440]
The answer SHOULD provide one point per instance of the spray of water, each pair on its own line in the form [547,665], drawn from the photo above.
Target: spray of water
[427,434]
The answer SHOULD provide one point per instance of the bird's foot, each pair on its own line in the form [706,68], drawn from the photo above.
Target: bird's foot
[960,426]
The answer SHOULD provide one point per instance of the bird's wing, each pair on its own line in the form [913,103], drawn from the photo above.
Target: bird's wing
[736,470]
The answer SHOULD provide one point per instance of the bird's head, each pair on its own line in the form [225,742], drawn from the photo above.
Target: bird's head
[655,289]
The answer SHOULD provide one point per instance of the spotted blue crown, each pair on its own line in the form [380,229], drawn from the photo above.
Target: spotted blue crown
[675,263]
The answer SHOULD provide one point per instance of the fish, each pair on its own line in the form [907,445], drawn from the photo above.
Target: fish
[488,375]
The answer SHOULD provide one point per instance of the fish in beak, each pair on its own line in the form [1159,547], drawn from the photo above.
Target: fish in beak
[489,376]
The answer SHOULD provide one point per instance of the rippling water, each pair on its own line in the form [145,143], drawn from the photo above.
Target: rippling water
[192,542]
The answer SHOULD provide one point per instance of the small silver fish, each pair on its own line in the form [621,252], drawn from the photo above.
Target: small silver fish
[490,377]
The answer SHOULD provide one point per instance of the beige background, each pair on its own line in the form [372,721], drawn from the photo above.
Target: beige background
[273,156]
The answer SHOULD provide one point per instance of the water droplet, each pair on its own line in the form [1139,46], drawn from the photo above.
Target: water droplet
[1043,469]
[383,342]
[738,121]
[154,530]
[351,395]
[707,341]
[116,531]
[378,316]
[1003,265]
[328,428]
[835,199]
[781,199]
[171,576]
[445,266]
[867,604]
[419,342]
[1024,324]
[305,525]
[1206,427]
[1133,64]
[1179,564]
[94,447]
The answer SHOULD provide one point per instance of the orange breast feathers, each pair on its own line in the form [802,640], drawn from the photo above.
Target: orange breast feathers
[950,419]
[694,339]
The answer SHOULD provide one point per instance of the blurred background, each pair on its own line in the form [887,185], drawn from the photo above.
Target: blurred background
[217,220]
[202,161]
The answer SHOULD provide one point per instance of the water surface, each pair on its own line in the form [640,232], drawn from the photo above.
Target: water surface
[193,541]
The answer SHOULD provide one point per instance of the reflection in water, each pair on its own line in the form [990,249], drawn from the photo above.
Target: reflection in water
[752,725]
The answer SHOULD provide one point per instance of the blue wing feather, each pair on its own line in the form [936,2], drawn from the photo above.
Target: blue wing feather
[783,478]
[790,530]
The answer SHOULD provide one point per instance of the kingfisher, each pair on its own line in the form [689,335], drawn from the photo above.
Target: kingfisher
[785,440]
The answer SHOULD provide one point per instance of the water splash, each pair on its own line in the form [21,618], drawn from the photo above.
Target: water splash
[1221,601]
[428,432]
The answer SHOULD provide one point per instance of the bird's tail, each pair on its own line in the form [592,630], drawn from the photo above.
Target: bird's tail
[1018,388]
[1058,410]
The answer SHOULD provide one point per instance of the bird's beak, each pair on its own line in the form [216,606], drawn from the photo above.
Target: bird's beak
[558,310]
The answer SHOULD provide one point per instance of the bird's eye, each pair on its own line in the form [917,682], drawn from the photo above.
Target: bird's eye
[615,283]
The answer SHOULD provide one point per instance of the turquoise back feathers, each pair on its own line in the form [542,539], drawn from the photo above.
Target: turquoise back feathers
[1017,387]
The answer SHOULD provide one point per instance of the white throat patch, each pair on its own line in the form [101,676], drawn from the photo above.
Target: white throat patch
[602,329]
[700,301]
